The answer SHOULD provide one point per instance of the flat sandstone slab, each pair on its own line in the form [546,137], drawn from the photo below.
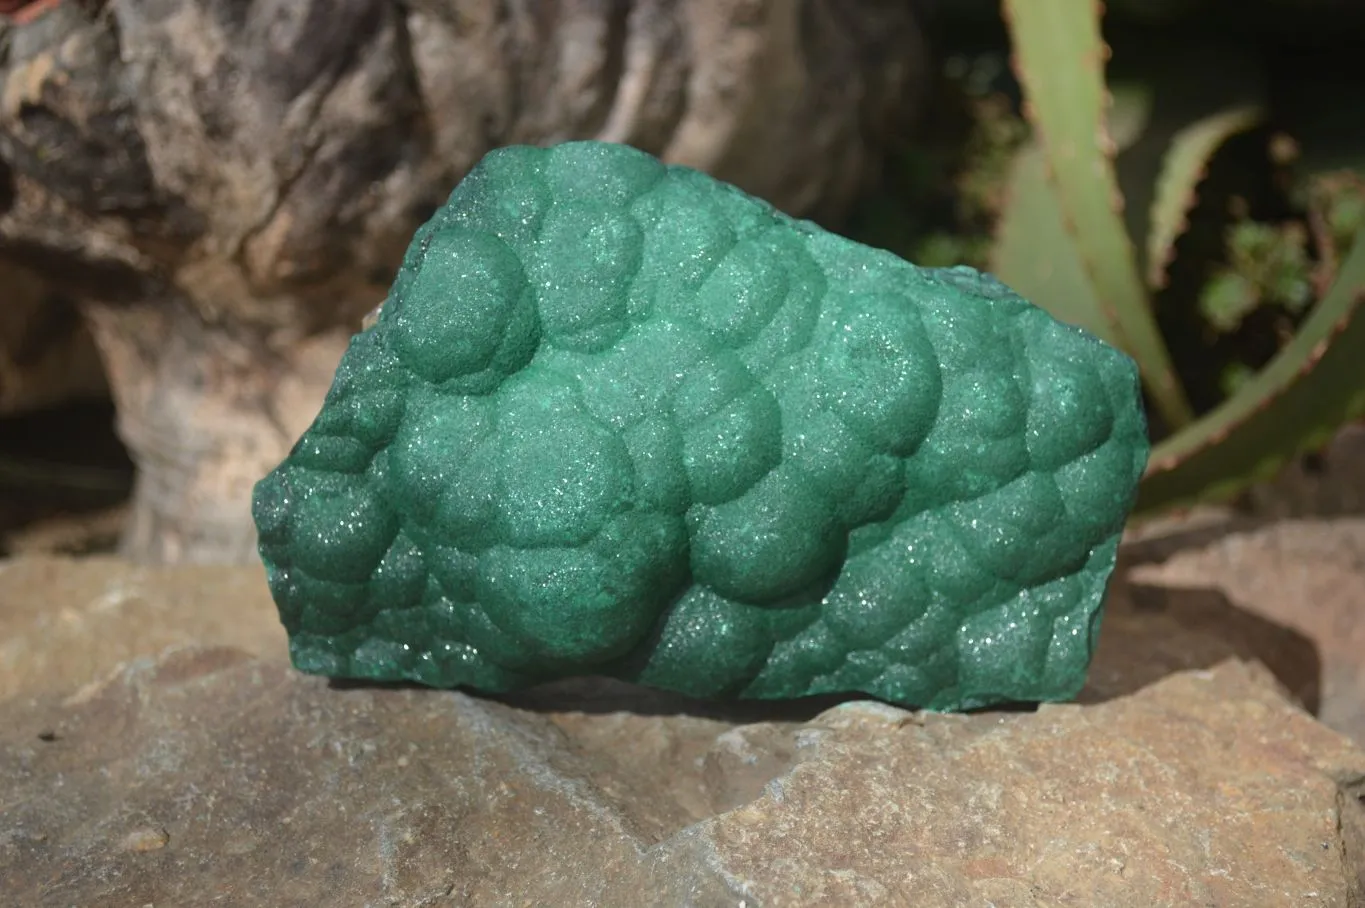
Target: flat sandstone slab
[211,777]
[202,774]
[67,621]
[1306,577]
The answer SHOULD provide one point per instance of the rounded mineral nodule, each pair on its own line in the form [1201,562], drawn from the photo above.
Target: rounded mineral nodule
[619,418]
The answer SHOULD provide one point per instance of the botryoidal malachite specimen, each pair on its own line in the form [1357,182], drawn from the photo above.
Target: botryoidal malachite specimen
[619,418]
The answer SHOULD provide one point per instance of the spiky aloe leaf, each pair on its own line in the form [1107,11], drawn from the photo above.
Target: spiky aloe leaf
[1182,169]
[1309,390]
[1033,249]
[1059,60]
[1035,253]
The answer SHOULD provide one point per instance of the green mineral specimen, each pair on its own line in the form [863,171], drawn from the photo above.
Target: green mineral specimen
[622,419]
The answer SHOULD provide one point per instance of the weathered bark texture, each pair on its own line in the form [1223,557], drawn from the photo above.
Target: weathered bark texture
[227,186]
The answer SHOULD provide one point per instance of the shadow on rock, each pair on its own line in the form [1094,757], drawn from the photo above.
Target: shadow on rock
[1161,539]
[599,696]
[1150,632]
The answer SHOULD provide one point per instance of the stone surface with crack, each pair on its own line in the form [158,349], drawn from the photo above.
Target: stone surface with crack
[135,773]
[207,776]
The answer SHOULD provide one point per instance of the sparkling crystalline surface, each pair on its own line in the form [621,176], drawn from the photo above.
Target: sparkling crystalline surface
[619,418]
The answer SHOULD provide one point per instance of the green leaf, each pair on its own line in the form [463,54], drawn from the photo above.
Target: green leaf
[1035,253]
[1130,113]
[1184,166]
[1227,298]
[1309,390]
[1269,266]
[1033,249]
[1059,58]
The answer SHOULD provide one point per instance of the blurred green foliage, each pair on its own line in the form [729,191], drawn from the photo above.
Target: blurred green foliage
[1186,182]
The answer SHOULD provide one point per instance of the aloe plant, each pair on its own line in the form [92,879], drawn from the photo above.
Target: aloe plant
[1182,169]
[1312,387]
[1059,57]
[1062,240]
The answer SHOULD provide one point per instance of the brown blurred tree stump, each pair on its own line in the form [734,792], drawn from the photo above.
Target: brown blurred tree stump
[226,186]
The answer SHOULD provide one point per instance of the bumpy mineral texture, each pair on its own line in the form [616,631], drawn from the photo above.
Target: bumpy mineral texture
[619,418]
